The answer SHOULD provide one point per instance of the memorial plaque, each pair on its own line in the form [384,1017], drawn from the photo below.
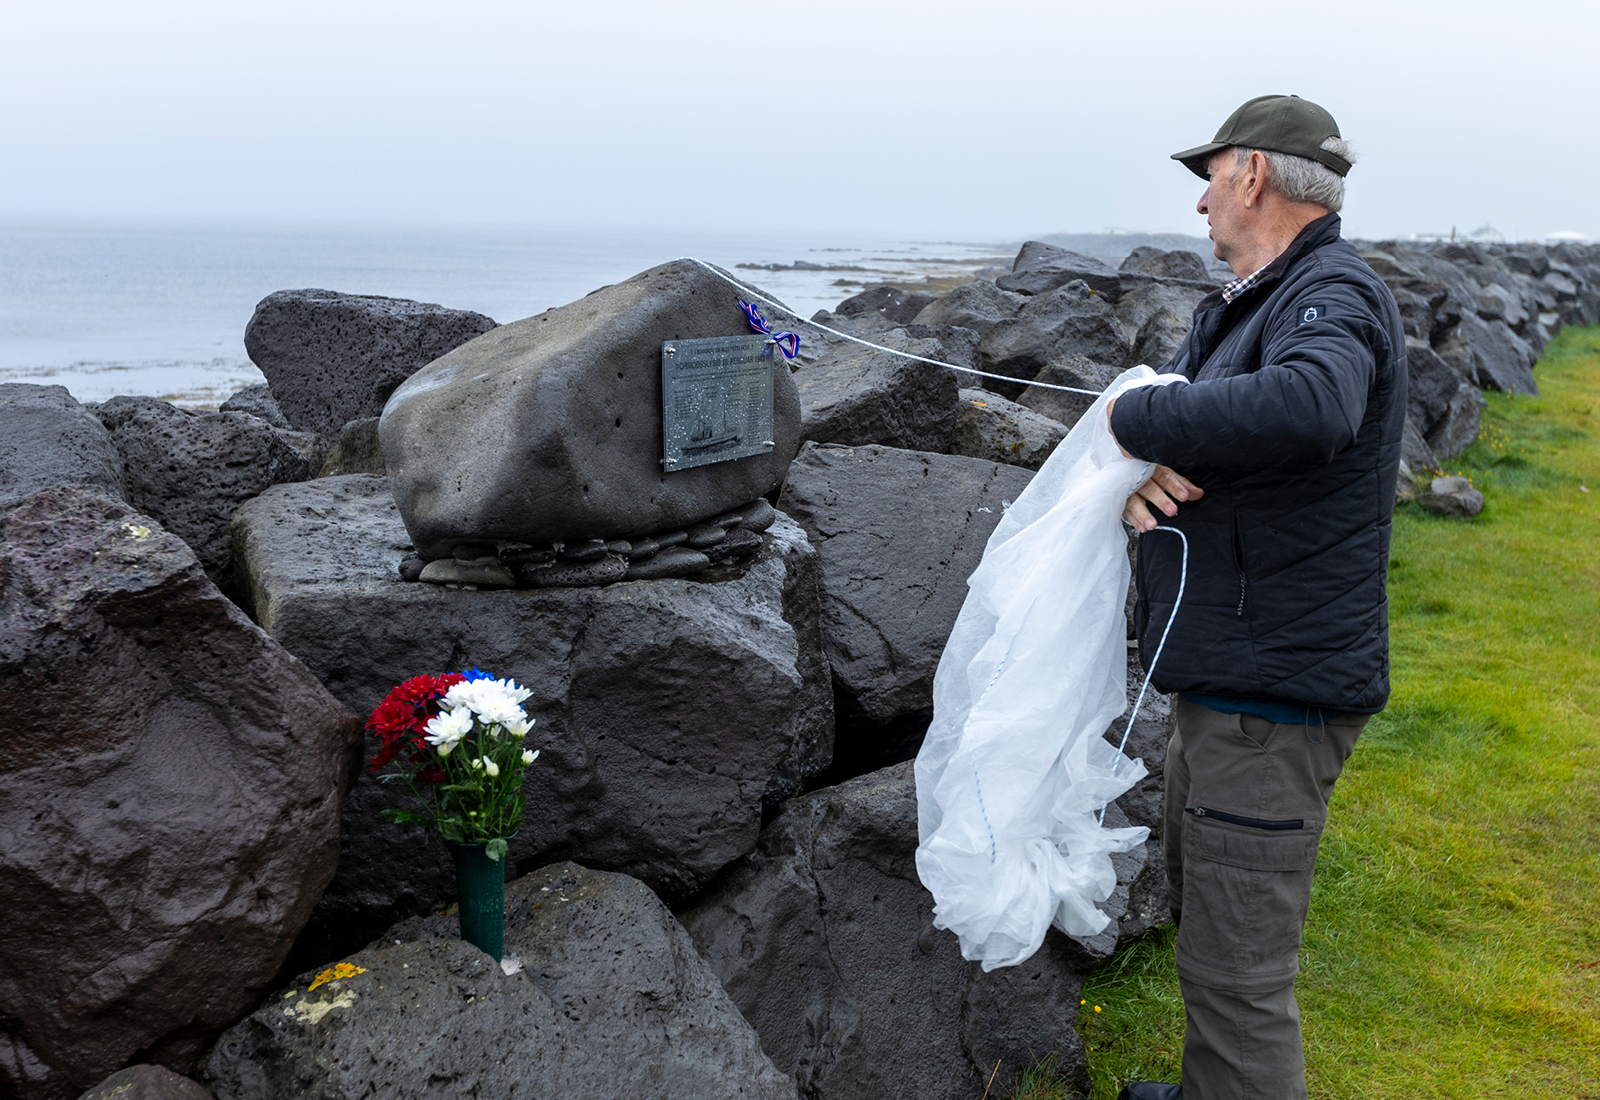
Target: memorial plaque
[716,400]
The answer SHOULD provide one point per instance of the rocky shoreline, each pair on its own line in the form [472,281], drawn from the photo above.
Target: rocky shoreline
[715,876]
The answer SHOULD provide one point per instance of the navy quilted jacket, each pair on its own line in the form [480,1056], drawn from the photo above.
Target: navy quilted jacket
[1291,425]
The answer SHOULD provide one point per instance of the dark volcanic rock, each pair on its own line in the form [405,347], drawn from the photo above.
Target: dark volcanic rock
[666,710]
[899,306]
[1066,406]
[48,439]
[1451,496]
[1171,265]
[147,1083]
[998,430]
[978,305]
[331,358]
[898,533]
[1070,320]
[1459,428]
[860,396]
[1040,268]
[578,390]
[257,400]
[610,999]
[824,939]
[191,470]
[169,801]
[1144,300]
[1432,386]
[357,450]
[1500,360]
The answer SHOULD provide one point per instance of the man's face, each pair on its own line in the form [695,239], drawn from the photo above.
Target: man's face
[1223,205]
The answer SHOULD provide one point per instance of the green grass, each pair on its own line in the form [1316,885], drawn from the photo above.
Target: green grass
[1453,946]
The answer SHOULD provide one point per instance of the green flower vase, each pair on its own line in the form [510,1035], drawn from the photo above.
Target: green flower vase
[481,894]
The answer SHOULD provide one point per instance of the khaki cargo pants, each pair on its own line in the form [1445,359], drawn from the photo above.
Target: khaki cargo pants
[1243,811]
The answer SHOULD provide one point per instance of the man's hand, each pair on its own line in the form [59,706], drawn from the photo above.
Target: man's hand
[1163,488]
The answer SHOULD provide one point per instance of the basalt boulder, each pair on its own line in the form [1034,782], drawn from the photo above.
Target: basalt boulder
[668,712]
[859,396]
[1040,268]
[169,798]
[600,994]
[190,470]
[550,428]
[992,428]
[1069,320]
[330,358]
[824,938]
[978,305]
[1068,405]
[48,439]
[898,533]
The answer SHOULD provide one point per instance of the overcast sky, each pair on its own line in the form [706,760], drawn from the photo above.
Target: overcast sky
[979,119]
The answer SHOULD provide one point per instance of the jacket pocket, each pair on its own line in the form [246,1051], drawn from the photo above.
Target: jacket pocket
[1238,559]
[1248,822]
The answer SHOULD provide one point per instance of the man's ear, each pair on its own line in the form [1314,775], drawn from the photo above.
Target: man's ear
[1255,178]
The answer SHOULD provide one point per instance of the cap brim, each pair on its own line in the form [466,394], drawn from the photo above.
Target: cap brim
[1197,158]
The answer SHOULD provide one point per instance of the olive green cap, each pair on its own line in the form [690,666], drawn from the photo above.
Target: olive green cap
[1277,123]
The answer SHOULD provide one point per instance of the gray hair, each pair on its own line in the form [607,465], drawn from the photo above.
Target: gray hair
[1299,179]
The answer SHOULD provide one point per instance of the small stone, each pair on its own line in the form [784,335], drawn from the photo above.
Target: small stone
[726,520]
[758,515]
[740,542]
[619,546]
[576,574]
[1452,496]
[475,551]
[671,538]
[526,555]
[482,574]
[587,550]
[642,548]
[702,535]
[675,561]
[411,568]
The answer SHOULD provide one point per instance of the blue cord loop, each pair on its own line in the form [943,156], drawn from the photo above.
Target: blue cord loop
[788,342]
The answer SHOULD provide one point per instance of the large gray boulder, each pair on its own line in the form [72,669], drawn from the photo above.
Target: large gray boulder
[1142,301]
[1067,406]
[1459,427]
[997,430]
[257,400]
[824,938]
[860,396]
[1432,383]
[666,710]
[48,439]
[1179,264]
[330,358]
[169,800]
[1069,320]
[978,305]
[1492,355]
[601,993]
[190,470]
[889,302]
[1040,268]
[550,428]
[898,533]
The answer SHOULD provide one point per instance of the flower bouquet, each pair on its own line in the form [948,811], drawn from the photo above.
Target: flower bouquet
[457,741]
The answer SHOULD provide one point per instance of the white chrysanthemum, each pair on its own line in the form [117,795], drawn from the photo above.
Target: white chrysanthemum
[528,756]
[518,727]
[446,729]
[499,710]
[491,767]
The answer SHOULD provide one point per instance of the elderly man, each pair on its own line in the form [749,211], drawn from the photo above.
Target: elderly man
[1278,465]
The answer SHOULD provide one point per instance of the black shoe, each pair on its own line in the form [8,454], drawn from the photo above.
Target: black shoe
[1150,1090]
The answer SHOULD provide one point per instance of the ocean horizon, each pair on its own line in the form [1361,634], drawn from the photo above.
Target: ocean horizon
[127,307]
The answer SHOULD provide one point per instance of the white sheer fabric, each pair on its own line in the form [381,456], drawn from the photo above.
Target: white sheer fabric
[1014,766]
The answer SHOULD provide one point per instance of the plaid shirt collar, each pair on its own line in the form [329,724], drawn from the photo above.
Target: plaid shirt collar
[1242,284]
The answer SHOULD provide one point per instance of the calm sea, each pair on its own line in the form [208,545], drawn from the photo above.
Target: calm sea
[160,308]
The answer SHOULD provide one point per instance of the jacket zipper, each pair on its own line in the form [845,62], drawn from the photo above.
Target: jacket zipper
[1248,822]
[1239,611]
[1238,554]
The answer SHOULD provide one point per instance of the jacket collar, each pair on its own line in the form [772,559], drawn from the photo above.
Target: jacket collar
[1314,235]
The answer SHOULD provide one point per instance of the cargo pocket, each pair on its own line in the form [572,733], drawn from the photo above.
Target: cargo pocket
[1246,888]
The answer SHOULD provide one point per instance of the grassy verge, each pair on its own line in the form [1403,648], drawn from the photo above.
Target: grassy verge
[1453,947]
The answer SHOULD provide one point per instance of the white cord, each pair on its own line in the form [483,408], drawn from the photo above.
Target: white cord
[747,289]
[1183,579]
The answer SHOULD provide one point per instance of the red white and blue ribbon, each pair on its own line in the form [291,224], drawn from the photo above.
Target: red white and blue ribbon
[789,342]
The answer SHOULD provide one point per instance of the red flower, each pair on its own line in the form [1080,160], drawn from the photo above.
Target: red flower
[392,717]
